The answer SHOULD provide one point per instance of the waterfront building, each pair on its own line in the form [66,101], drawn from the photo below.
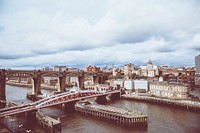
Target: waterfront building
[141,86]
[119,82]
[128,86]
[168,90]
[150,70]
[98,87]
[128,70]
[179,75]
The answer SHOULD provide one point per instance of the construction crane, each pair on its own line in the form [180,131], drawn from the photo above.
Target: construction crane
[113,65]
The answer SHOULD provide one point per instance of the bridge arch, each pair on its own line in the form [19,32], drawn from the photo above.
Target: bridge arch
[19,74]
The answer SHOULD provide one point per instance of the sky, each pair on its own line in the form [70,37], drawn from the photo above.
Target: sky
[77,33]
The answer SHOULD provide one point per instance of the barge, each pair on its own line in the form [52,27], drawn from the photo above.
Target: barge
[118,115]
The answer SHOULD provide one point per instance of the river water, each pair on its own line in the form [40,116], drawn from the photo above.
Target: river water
[161,119]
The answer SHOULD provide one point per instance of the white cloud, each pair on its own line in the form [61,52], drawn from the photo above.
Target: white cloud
[35,33]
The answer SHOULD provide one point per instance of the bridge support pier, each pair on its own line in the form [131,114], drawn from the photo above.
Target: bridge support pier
[2,88]
[101,99]
[81,81]
[31,116]
[115,96]
[36,86]
[62,81]
[69,107]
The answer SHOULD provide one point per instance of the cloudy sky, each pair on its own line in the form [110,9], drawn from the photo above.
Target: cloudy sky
[75,33]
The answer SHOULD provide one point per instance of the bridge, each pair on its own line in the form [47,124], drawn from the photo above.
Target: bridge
[62,98]
[37,75]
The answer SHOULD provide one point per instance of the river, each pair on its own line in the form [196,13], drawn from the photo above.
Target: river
[161,119]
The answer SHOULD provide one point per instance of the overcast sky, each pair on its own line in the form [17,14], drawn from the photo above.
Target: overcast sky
[75,33]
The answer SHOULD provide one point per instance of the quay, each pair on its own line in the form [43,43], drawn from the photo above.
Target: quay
[186,104]
[118,115]
[48,123]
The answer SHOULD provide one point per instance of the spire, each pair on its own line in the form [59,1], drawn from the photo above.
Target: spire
[149,62]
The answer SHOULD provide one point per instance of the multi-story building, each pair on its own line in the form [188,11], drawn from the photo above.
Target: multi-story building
[197,64]
[119,82]
[47,69]
[128,70]
[98,87]
[169,90]
[92,69]
[150,70]
[107,69]
[179,75]
[51,81]
[117,72]
[141,85]
[73,69]
[60,68]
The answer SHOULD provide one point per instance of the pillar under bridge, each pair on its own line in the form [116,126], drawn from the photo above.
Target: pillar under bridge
[81,81]
[62,84]
[36,82]
[2,87]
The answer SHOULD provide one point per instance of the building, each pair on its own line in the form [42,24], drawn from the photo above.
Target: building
[197,75]
[128,86]
[60,68]
[128,70]
[73,69]
[92,69]
[51,81]
[141,86]
[98,87]
[47,69]
[117,72]
[168,90]
[179,75]
[107,70]
[197,64]
[150,70]
[119,82]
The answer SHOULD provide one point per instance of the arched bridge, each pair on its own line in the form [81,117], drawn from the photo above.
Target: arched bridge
[57,99]
[37,75]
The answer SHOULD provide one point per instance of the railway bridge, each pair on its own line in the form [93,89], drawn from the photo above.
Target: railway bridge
[37,75]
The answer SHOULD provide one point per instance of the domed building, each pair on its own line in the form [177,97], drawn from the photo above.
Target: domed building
[150,70]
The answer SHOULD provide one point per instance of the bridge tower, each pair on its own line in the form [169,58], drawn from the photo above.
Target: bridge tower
[36,81]
[2,85]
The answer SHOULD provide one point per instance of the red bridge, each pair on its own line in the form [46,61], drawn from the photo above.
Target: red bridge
[57,99]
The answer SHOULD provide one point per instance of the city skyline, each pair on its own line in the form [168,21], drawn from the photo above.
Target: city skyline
[102,33]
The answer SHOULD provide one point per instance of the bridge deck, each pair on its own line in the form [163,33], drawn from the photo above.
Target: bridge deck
[52,101]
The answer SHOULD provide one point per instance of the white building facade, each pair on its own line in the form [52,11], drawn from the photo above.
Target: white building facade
[150,70]
[141,85]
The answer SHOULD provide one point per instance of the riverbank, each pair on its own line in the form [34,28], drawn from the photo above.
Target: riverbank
[185,104]
[45,87]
